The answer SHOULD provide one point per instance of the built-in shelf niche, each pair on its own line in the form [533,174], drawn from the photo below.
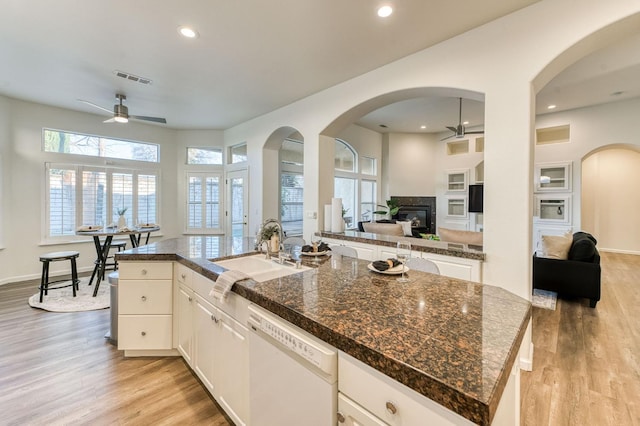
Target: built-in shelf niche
[480,144]
[458,147]
[553,209]
[553,177]
[479,172]
[551,135]
[457,180]
[457,207]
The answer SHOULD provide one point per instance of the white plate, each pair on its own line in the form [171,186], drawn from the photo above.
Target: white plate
[147,226]
[310,253]
[396,270]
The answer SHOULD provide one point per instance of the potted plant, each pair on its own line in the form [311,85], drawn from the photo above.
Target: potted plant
[270,235]
[392,209]
[344,219]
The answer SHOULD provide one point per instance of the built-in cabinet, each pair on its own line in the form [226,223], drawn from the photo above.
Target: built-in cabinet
[145,307]
[552,213]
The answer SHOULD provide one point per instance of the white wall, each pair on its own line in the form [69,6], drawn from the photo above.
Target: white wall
[611,199]
[412,162]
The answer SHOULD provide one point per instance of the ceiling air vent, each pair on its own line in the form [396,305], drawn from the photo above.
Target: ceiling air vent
[132,77]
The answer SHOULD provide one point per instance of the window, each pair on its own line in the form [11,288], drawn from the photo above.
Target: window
[238,153]
[208,156]
[204,213]
[97,146]
[83,195]
[291,202]
[358,189]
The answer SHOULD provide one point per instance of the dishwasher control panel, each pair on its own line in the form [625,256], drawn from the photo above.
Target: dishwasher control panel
[292,339]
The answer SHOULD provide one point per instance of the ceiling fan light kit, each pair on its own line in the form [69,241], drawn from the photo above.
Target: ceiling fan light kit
[121,112]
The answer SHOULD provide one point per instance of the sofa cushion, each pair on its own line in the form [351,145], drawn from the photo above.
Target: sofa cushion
[383,228]
[556,246]
[459,236]
[583,248]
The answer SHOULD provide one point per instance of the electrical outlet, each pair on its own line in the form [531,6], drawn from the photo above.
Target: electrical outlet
[312,215]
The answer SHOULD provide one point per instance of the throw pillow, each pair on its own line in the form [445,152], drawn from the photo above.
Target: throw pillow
[556,246]
[406,228]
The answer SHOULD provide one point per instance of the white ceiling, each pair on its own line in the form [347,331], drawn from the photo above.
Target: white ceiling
[255,56]
[251,57]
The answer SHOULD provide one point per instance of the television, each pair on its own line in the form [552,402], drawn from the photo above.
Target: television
[475,198]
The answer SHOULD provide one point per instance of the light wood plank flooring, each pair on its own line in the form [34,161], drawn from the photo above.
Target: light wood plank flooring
[57,369]
[586,365]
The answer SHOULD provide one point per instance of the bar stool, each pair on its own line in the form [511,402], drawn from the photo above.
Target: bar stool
[118,246]
[45,284]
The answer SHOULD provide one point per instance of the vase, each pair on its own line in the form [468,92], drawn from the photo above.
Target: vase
[122,222]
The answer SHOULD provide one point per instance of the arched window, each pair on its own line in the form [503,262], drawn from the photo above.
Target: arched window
[355,182]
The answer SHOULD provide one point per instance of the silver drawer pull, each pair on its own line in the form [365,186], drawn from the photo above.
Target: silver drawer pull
[144,298]
[391,407]
[190,298]
[341,418]
[143,272]
[216,320]
[144,333]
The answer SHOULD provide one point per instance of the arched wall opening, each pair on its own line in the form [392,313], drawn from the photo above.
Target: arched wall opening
[610,197]
[272,206]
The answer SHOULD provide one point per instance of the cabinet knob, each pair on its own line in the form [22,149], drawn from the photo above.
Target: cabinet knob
[144,298]
[391,407]
[341,418]
[144,333]
[190,298]
[183,276]
[143,272]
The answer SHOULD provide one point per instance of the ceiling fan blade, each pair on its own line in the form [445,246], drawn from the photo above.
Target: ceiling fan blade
[478,132]
[154,119]
[448,137]
[453,129]
[111,120]
[95,106]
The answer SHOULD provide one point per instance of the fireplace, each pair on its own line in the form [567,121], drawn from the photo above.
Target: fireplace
[421,211]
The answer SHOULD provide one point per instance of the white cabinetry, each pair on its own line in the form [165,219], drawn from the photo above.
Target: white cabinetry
[145,308]
[553,177]
[215,344]
[388,401]
[455,267]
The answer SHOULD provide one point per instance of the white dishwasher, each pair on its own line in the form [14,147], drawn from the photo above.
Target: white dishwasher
[292,374]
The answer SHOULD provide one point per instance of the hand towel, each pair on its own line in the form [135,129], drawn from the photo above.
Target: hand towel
[225,281]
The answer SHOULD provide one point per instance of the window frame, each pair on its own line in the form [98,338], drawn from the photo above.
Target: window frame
[204,175]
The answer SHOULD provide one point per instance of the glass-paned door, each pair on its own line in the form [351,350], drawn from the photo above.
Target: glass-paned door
[237,207]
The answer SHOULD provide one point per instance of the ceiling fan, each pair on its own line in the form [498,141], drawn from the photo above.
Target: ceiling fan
[121,112]
[458,131]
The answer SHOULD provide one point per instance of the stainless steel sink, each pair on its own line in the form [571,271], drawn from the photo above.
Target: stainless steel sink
[259,268]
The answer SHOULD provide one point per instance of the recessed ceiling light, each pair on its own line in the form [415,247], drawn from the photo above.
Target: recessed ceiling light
[465,122]
[385,11]
[423,127]
[188,32]
[552,106]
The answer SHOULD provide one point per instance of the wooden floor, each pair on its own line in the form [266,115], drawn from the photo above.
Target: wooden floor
[586,364]
[57,369]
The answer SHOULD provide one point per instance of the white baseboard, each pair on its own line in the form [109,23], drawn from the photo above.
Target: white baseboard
[610,250]
[526,364]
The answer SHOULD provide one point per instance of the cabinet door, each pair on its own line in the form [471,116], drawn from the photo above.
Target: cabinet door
[550,177]
[185,323]
[232,357]
[207,338]
[352,414]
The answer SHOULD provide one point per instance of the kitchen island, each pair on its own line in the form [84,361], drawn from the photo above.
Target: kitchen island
[455,342]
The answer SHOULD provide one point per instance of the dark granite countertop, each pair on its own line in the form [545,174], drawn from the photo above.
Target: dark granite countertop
[451,340]
[444,248]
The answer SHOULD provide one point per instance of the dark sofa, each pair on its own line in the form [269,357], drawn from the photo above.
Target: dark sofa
[578,276]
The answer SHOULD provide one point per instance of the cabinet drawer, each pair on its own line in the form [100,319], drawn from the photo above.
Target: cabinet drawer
[234,305]
[145,297]
[389,400]
[146,270]
[144,332]
[183,275]
[354,414]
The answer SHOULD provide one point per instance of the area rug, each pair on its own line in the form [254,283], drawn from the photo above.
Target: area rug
[544,299]
[62,300]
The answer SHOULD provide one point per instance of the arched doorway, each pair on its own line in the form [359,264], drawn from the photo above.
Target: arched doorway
[610,197]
